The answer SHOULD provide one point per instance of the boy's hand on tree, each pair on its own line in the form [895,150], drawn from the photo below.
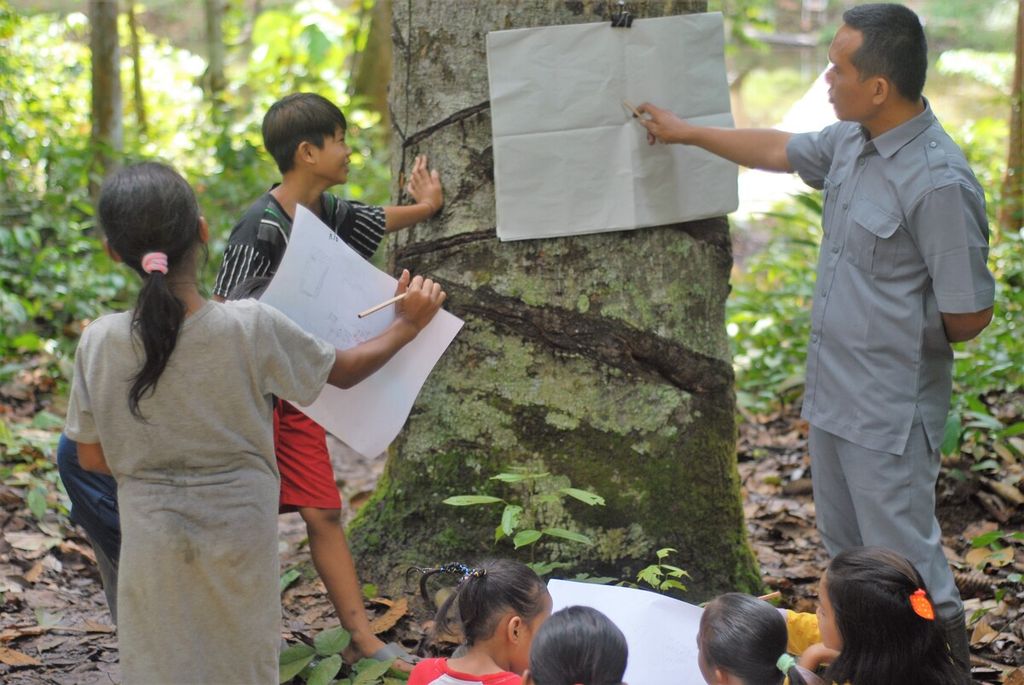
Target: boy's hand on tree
[423,298]
[424,185]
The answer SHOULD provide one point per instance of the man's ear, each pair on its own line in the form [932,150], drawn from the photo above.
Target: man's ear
[204,230]
[881,90]
[111,252]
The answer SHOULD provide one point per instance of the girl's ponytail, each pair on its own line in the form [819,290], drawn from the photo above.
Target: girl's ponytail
[157,319]
[787,665]
[151,221]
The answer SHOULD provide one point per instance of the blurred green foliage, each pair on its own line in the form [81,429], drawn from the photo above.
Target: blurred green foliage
[53,272]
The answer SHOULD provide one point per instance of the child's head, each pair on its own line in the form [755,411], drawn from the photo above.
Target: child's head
[742,637]
[300,118]
[874,608]
[577,646]
[500,598]
[150,218]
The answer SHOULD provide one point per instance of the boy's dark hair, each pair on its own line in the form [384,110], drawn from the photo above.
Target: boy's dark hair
[884,640]
[578,645]
[298,118]
[484,593]
[745,636]
[144,208]
[894,46]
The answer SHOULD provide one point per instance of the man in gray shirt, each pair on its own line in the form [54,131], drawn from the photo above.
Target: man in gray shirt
[901,274]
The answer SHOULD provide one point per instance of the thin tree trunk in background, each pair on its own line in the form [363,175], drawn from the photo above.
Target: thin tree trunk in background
[602,359]
[1011,214]
[372,71]
[214,80]
[107,107]
[138,99]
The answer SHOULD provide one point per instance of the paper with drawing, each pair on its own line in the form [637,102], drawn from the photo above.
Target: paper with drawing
[321,284]
[661,632]
[569,158]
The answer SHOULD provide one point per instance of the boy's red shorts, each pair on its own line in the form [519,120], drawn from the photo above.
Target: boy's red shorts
[307,477]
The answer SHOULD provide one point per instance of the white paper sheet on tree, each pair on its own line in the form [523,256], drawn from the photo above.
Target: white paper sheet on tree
[568,159]
[321,284]
[661,632]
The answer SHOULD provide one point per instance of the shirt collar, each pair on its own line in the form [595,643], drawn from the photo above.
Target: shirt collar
[890,142]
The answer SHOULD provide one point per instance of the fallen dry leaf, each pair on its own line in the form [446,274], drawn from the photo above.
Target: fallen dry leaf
[387,620]
[12,657]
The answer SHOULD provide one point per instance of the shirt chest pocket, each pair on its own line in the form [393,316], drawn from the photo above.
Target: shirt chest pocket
[873,241]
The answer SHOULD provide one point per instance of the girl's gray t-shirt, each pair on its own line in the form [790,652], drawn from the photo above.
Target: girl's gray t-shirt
[198,485]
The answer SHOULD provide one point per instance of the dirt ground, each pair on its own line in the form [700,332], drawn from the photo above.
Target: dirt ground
[56,629]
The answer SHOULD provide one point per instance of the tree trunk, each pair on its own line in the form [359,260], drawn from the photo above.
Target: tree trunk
[214,80]
[107,128]
[137,96]
[600,358]
[372,70]
[1011,213]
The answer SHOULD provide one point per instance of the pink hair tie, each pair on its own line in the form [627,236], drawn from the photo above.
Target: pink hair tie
[154,261]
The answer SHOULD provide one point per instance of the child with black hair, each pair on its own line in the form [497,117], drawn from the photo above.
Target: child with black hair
[501,603]
[305,134]
[742,640]
[877,616]
[183,423]
[577,646]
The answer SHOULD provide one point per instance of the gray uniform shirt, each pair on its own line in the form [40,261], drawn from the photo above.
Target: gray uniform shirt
[197,485]
[905,238]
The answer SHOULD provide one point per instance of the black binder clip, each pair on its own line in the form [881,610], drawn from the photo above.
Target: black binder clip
[622,19]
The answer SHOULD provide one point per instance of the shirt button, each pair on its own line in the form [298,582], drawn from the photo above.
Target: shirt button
[862,162]
[823,292]
[933,144]
[846,205]
[835,248]
[814,338]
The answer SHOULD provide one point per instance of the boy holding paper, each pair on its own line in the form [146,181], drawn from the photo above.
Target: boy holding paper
[305,134]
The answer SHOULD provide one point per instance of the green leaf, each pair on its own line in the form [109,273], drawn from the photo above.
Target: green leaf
[672,585]
[325,671]
[289,577]
[664,552]
[46,421]
[526,537]
[986,539]
[510,518]
[568,535]
[370,591]
[951,435]
[293,660]
[510,477]
[317,42]
[468,500]
[332,641]
[369,671]
[1013,430]
[37,502]
[584,496]
[986,465]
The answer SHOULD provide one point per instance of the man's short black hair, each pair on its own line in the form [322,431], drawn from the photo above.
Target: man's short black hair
[894,46]
[297,118]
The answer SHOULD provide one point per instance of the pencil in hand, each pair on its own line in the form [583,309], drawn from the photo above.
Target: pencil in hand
[382,305]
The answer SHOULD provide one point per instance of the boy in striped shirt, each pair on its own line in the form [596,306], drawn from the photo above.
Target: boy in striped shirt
[305,134]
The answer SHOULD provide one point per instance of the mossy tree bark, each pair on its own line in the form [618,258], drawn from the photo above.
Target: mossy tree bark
[601,358]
